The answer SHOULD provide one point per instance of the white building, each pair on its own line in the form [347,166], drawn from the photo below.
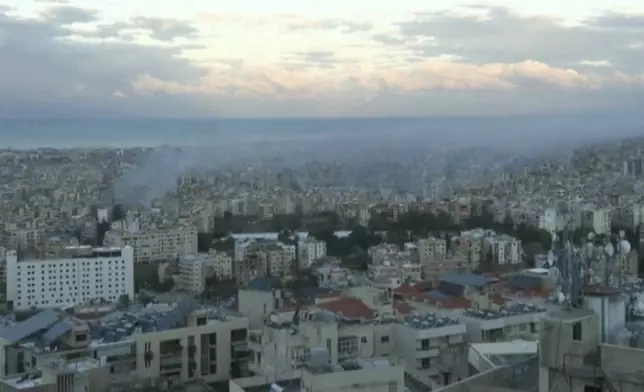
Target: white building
[156,246]
[309,251]
[596,219]
[548,220]
[195,269]
[87,274]
[504,249]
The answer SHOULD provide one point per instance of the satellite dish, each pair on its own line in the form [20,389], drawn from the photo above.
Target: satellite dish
[609,250]
[624,247]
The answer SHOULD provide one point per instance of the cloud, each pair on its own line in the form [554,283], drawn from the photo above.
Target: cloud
[428,75]
[319,59]
[490,61]
[344,25]
[42,64]
[159,29]
[66,15]
[291,22]
[500,35]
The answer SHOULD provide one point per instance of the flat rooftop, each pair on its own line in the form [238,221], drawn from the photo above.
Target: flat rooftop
[506,311]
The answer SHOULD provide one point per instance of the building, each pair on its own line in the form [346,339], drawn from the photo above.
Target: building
[363,323]
[504,249]
[195,269]
[596,219]
[84,274]
[157,344]
[318,375]
[156,246]
[310,250]
[430,248]
[548,220]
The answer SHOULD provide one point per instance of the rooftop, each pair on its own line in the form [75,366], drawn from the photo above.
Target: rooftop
[468,279]
[349,308]
[428,321]
[506,311]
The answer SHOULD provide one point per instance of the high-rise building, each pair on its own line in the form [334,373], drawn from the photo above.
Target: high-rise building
[81,274]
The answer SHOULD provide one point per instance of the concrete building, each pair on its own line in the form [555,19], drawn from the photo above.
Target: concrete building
[548,220]
[430,248]
[310,250]
[156,246]
[377,374]
[195,269]
[362,323]
[84,274]
[504,249]
[596,219]
[169,344]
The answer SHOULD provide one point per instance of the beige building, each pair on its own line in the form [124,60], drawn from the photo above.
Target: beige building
[156,246]
[364,323]
[377,374]
[159,344]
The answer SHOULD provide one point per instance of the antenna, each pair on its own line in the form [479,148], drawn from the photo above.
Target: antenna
[571,263]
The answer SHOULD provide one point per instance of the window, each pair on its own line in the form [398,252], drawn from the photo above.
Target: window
[384,339]
[363,340]
[592,388]
[576,331]
[393,387]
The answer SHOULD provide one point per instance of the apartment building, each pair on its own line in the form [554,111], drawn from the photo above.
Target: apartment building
[377,374]
[362,323]
[629,216]
[310,250]
[596,219]
[332,276]
[15,237]
[82,274]
[156,246]
[161,343]
[504,249]
[591,348]
[276,258]
[430,248]
[479,302]
[437,267]
[195,269]
[433,347]
[62,375]
[548,220]
[254,265]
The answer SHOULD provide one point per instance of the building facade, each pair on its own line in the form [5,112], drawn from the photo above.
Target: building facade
[86,274]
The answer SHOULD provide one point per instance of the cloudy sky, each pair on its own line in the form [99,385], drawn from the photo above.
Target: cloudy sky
[258,58]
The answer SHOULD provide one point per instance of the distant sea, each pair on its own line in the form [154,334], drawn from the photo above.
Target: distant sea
[59,133]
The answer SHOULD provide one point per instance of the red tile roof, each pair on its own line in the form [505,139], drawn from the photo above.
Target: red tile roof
[350,308]
[406,289]
[402,307]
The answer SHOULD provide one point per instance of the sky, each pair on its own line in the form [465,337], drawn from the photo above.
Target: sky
[332,58]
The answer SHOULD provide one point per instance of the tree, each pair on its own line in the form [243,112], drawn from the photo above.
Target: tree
[290,222]
[124,301]
[224,245]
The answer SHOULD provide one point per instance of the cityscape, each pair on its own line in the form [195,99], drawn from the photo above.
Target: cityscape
[321,197]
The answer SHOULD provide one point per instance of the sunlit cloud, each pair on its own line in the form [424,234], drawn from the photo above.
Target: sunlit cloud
[253,58]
